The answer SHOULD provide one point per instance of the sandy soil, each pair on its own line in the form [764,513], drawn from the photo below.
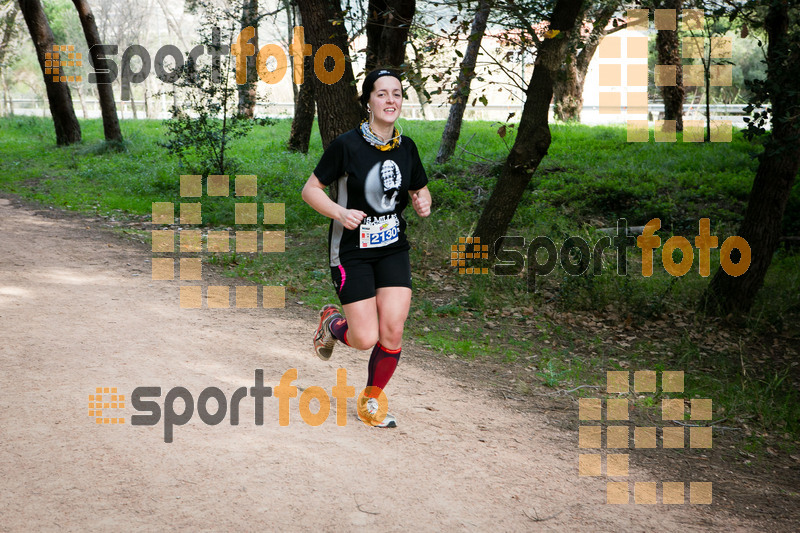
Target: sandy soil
[78,310]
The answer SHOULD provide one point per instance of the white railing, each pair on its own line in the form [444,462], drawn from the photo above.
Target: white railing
[590,115]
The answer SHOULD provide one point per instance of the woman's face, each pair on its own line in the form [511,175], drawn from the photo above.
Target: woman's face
[386,100]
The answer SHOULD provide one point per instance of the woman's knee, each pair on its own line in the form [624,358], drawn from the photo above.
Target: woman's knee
[362,339]
[391,335]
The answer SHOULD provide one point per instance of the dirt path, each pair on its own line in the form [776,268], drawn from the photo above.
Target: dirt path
[78,310]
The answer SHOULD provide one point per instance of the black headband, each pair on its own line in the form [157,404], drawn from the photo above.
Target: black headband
[369,82]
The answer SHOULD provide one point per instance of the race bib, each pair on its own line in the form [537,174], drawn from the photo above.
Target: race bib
[379,234]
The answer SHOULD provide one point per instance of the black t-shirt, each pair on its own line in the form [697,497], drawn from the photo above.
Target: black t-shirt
[373,181]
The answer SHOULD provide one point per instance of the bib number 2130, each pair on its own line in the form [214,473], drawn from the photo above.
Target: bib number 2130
[377,235]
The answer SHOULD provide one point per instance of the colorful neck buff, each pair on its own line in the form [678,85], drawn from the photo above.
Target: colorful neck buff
[376,141]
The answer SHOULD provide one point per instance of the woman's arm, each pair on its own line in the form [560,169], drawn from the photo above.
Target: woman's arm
[315,196]
[421,200]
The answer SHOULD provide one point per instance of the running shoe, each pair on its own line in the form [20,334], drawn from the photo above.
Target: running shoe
[324,340]
[368,409]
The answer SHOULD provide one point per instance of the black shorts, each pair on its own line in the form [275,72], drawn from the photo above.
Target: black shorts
[357,279]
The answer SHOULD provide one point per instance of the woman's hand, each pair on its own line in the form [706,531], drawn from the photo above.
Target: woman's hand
[421,203]
[314,195]
[351,218]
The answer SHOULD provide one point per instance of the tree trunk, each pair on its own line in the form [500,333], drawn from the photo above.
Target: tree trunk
[416,80]
[533,137]
[4,109]
[338,109]
[303,120]
[83,102]
[68,130]
[707,69]
[414,77]
[147,112]
[388,22]
[777,170]
[568,84]
[452,130]
[8,104]
[105,92]
[247,91]
[9,32]
[291,23]
[668,47]
[304,107]
[176,110]
[568,94]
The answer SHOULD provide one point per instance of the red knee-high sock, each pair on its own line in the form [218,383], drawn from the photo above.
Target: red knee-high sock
[382,363]
[339,330]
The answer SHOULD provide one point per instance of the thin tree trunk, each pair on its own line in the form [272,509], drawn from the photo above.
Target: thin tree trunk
[9,24]
[146,102]
[291,23]
[105,92]
[247,91]
[68,130]
[669,53]
[83,102]
[424,102]
[338,109]
[452,130]
[533,137]
[7,107]
[172,23]
[9,27]
[176,109]
[304,109]
[415,79]
[568,84]
[707,75]
[776,174]
[388,22]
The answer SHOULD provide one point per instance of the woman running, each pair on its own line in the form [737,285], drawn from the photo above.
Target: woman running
[372,171]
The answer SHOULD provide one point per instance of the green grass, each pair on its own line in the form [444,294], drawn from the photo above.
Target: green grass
[89,179]
[590,178]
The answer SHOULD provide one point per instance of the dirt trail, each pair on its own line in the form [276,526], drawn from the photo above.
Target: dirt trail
[78,310]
